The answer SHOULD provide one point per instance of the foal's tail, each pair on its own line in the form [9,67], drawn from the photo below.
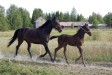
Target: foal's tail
[13,38]
[53,37]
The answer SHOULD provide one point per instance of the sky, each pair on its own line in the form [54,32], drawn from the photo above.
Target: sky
[84,7]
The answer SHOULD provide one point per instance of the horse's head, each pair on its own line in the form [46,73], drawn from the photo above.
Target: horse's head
[86,29]
[56,24]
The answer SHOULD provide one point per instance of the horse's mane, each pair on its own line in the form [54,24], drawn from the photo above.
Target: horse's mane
[42,26]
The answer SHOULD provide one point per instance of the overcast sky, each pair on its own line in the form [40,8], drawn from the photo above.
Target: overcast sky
[84,7]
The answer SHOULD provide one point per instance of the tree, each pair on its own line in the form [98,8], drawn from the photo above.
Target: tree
[25,17]
[3,21]
[45,15]
[66,17]
[80,18]
[57,14]
[48,16]
[108,19]
[36,13]
[14,17]
[95,19]
[100,18]
[95,23]
[73,14]
[61,17]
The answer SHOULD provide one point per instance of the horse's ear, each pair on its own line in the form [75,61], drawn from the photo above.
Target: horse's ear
[54,18]
[86,24]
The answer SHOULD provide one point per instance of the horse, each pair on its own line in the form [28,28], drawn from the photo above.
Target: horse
[73,40]
[39,35]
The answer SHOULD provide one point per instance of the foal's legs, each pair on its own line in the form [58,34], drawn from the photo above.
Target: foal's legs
[47,51]
[65,54]
[56,49]
[81,55]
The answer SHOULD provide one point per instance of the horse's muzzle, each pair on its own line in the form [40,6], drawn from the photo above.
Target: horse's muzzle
[89,33]
[60,30]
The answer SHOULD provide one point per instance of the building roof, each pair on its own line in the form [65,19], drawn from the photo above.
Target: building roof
[74,23]
[66,23]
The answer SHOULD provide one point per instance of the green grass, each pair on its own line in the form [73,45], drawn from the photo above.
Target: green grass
[11,68]
[32,68]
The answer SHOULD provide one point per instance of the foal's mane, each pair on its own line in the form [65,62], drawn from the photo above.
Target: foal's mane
[79,31]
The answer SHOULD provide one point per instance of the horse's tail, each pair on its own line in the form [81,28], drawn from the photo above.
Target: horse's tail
[13,38]
[53,37]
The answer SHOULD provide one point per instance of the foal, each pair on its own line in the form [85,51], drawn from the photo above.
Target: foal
[73,40]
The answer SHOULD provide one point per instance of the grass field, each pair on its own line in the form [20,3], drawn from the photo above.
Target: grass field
[97,48]
[34,68]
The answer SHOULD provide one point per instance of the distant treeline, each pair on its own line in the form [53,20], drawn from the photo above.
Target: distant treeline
[17,17]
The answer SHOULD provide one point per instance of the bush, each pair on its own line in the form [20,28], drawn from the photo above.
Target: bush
[72,26]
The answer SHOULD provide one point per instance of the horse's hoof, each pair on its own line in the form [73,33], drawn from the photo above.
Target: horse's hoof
[84,65]
[15,56]
[52,61]
[76,61]
[32,59]
[40,56]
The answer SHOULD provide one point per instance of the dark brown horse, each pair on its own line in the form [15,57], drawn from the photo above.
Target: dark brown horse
[37,36]
[73,40]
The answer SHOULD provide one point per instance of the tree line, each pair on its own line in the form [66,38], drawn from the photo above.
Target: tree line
[18,17]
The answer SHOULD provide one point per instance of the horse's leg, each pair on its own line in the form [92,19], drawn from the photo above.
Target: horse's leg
[81,55]
[42,55]
[77,58]
[56,49]
[47,51]
[28,48]
[65,54]
[17,47]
